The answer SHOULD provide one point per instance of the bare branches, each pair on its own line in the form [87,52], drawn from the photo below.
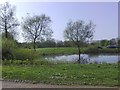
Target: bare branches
[8,22]
[36,27]
[79,32]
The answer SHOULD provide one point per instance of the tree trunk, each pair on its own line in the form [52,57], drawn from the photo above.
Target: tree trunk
[79,54]
[6,36]
[34,44]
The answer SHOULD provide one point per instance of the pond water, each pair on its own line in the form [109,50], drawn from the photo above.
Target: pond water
[86,58]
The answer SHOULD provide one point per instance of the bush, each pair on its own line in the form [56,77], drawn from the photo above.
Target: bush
[25,54]
[10,51]
[8,47]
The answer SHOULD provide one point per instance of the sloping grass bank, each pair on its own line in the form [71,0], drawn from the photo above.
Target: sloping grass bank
[64,74]
[24,54]
[74,50]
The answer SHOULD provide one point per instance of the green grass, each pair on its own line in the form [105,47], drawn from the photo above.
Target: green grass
[63,50]
[56,51]
[0,72]
[74,50]
[64,74]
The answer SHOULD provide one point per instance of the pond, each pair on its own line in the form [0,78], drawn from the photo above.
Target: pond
[86,58]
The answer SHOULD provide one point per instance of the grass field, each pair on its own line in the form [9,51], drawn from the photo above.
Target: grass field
[64,74]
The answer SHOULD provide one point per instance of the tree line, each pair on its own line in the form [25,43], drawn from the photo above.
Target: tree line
[50,43]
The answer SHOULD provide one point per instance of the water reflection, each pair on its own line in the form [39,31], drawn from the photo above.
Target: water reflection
[86,58]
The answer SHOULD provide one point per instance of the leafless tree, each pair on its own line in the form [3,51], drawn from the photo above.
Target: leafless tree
[8,21]
[36,28]
[79,32]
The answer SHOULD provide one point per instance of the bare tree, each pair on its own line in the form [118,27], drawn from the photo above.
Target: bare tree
[79,32]
[8,22]
[36,28]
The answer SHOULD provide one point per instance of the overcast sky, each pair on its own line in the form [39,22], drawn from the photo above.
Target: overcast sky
[103,14]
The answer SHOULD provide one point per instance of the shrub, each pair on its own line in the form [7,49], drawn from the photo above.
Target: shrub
[10,51]
[25,54]
[8,47]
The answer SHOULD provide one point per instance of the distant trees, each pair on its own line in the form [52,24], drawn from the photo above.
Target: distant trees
[118,42]
[47,43]
[79,32]
[113,41]
[8,22]
[36,28]
[104,42]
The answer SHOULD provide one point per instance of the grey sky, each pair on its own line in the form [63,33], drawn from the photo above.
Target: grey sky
[103,14]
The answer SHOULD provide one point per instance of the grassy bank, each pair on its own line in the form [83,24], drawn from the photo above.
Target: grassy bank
[73,50]
[57,51]
[64,74]
[23,54]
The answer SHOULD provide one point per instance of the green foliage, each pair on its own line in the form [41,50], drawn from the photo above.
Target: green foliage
[104,43]
[8,47]
[24,54]
[10,51]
